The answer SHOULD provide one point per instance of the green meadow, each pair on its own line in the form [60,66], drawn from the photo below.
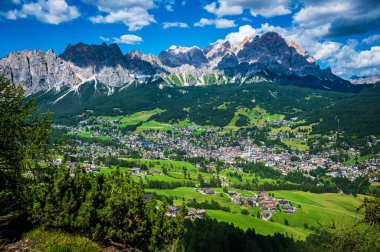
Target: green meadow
[325,211]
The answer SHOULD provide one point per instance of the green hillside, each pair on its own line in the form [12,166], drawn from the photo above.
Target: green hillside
[229,106]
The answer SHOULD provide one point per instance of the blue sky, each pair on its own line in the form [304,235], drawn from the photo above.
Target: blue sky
[342,34]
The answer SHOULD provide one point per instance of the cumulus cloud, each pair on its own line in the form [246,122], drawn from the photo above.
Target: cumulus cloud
[129,39]
[132,13]
[266,8]
[244,31]
[167,25]
[343,18]
[219,23]
[348,61]
[50,11]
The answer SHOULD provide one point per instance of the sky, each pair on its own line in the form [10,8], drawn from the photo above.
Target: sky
[341,34]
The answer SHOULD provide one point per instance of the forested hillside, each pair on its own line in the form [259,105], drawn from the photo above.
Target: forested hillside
[356,114]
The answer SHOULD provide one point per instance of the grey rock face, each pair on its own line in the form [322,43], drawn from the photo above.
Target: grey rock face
[177,56]
[37,70]
[83,55]
[141,64]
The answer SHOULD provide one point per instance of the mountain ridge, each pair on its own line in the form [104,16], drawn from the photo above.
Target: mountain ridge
[268,57]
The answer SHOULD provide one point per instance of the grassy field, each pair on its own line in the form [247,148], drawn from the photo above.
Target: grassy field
[257,116]
[297,144]
[360,159]
[88,135]
[260,226]
[323,211]
[133,119]
[153,125]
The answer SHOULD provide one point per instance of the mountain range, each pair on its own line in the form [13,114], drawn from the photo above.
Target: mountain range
[268,57]
[365,80]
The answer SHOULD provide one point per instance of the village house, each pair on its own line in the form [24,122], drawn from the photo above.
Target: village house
[208,191]
[288,209]
[172,211]
[266,215]
[134,170]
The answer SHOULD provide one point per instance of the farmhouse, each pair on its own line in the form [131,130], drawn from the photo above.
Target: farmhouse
[172,211]
[237,199]
[288,209]
[208,191]
[232,193]
[134,170]
[266,215]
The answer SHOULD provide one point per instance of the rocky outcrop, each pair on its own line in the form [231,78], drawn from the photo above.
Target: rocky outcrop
[38,70]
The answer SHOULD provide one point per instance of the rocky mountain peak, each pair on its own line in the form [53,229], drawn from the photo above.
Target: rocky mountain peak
[362,80]
[177,56]
[136,54]
[84,55]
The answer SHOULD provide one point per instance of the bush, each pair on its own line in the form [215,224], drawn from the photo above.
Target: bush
[244,211]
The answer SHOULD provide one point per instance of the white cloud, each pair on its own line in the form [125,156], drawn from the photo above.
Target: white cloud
[244,31]
[104,39]
[343,18]
[114,5]
[266,8]
[223,9]
[132,13]
[167,25]
[325,50]
[219,23]
[129,39]
[169,8]
[135,18]
[374,39]
[348,61]
[50,11]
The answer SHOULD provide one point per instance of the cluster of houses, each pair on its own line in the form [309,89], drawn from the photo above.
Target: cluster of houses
[86,167]
[192,213]
[137,171]
[286,207]
[268,204]
[211,144]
